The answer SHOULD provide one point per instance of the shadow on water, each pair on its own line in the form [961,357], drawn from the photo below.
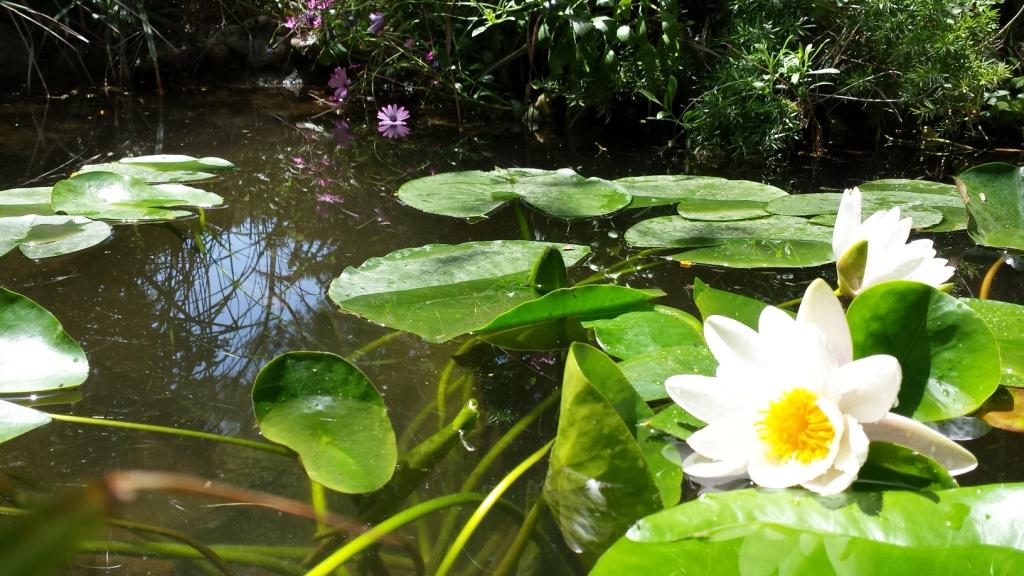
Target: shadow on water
[177,318]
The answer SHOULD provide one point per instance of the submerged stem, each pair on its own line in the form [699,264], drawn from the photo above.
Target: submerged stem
[264,446]
[515,551]
[446,374]
[208,553]
[266,557]
[373,345]
[485,507]
[990,276]
[622,266]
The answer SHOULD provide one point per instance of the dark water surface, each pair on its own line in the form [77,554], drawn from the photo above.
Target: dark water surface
[177,318]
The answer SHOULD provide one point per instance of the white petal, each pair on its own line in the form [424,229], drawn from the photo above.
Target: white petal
[853,452]
[822,309]
[895,231]
[867,388]
[731,341]
[847,222]
[885,269]
[766,471]
[907,432]
[731,438]
[700,469]
[705,397]
[774,323]
[933,272]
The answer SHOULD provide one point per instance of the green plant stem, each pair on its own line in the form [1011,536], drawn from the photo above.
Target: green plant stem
[267,557]
[524,226]
[990,276]
[272,448]
[481,468]
[373,345]
[446,374]
[318,499]
[485,507]
[371,536]
[185,539]
[790,303]
[603,274]
[511,560]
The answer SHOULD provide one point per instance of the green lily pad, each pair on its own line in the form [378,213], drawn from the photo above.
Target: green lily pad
[893,466]
[163,168]
[16,420]
[1006,321]
[36,355]
[475,194]
[751,254]
[605,472]
[442,291]
[328,411]
[48,236]
[954,216]
[919,204]
[714,302]
[720,210]
[647,372]
[22,201]
[675,421]
[959,531]
[678,232]
[671,189]
[924,218]
[113,196]
[950,359]
[637,333]
[995,204]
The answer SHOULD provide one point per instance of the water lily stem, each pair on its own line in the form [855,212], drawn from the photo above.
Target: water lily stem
[373,535]
[373,345]
[990,276]
[446,375]
[620,267]
[318,499]
[208,553]
[485,507]
[481,468]
[264,446]
[524,226]
[266,557]
[511,559]
[790,303]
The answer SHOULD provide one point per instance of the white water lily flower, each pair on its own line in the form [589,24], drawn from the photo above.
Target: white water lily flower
[790,406]
[876,250]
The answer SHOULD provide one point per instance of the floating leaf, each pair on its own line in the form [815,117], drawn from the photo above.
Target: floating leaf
[600,479]
[647,373]
[760,254]
[893,466]
[163,168]
[48,236]
[924,218]
[475,194]
[949,357]
[22,201]
[1006,321]
[954,216]
[995,204]
[671,189]
[117,197]
[967,530]
[36,355]
[16,420]
[675,421]
[875,198]
[637,333]
[443,291]
[715,210]
[324,408]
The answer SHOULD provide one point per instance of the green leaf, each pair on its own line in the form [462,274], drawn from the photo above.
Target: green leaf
[36,355]
[760,254]
[599,479]
[549,272]
[893,466]
[48,236]
[324,408]
[678,232]
[771,549]
[714,210]
[675,421]
[16,420]
[954,216]
[443,291]
[670,189]
[475,194]
[22,201]
[1006,321]
[647,373]
[113,196]
[637,333]
[995,204]
[163,168]
[713,302]
[949,357]
[985,515]
[910,203]
[924,219]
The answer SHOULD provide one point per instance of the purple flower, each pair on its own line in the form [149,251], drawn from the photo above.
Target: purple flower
[376,23]
[429,57]
[393,130]
[409,43]
[319,4]
[298,161]
[329,198]
[392,115]
[340,82]
[341,133]
[290,22]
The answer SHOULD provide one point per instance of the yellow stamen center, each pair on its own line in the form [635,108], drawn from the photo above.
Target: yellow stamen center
[795,428]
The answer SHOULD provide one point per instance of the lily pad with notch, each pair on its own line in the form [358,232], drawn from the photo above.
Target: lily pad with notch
[111,196]
[37,354]
[702,197]
[163,168]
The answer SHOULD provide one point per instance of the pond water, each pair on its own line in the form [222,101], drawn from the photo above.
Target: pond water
[177,318]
